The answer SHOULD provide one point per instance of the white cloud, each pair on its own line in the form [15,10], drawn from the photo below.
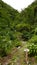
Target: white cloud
[19,4]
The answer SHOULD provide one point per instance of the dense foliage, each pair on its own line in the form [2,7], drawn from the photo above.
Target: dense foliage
[8,37]
[15,26]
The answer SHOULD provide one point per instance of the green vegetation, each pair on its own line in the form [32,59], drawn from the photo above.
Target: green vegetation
[8,37]
[16,27]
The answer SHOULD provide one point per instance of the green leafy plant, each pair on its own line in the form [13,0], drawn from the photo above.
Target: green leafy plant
[32,50]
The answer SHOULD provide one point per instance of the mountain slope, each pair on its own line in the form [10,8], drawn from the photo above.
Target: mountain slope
[8,20]
[28,19]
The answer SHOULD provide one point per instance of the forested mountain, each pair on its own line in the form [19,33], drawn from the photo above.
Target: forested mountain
[15,26]
[8,20]
[29,18]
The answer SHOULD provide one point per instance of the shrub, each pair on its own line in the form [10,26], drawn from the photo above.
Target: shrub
[32,50]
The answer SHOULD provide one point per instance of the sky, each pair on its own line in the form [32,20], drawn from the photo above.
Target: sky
[18,4]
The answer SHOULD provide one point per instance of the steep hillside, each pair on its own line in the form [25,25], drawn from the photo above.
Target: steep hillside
[8,19]
[28,21]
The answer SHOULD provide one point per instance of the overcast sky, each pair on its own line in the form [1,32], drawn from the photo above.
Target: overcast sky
[19,4]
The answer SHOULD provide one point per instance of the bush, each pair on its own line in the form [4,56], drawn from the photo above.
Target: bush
[32,50]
